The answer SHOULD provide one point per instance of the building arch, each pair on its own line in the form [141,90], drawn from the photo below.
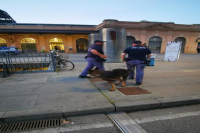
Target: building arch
[20,37]
[136,36]
[153,35]
[28,44]
[183,40]
[198,39]
[198,44]
[129,41]
[56,43]
[82,45]
[176,36]
[155,44]
[3,42]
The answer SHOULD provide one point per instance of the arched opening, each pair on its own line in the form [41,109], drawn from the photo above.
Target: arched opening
[198,44]
[28,44]
[3,43]
[155,44]
[82,45]
[129,41]
[181,39]
[56,43]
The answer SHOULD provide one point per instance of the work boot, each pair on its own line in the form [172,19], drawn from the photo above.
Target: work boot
[81,76]
[138,83]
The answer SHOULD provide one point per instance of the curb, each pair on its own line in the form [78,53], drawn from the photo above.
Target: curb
[129,106]
[41,114]
[179,101]
[159,103]
[31,114]
[125,106]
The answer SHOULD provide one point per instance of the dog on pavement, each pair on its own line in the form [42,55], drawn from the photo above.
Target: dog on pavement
[119,75]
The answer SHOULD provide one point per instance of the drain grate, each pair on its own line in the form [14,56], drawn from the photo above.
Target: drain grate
[31,125]
[95,79]
[133,91]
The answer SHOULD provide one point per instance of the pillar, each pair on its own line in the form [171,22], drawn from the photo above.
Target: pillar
[42,46]
[70,45]
[115,43]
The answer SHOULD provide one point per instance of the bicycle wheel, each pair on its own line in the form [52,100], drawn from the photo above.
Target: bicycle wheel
[66,65]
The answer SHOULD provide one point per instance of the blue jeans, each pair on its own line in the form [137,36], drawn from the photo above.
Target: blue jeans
[139,69]
[91,63]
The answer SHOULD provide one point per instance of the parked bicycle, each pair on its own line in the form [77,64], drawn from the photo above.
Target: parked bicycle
[62,63]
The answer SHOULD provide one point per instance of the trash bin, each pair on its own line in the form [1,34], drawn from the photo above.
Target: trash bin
[151,60]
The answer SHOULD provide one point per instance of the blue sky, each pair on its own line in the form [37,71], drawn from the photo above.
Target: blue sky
[93,12]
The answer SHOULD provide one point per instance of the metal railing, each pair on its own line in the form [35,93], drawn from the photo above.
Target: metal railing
[5,70]
[29,61]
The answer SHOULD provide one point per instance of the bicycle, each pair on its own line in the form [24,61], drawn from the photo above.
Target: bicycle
[63,63]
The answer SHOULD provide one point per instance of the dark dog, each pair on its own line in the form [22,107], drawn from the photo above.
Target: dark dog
[111,76]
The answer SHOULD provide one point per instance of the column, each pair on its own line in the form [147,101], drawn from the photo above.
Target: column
[115,43]
[70,44]
[42,46]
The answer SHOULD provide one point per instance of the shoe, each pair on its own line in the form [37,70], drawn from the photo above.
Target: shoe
[138,83]
[131,78]
[81,76]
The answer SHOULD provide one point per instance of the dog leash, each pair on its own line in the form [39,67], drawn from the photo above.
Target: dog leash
[108,63]
[110,57]
[109,66]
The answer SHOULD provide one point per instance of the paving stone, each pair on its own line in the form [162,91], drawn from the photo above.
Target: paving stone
[18,89]
[17,102]
[68,100]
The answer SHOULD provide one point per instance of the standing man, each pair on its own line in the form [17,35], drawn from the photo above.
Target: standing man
[137,55]
[132,70]
[95,58]
[144,45]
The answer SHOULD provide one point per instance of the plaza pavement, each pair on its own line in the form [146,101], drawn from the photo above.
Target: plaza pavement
[31,96]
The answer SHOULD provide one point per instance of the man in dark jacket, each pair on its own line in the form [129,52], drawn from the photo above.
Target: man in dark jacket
[137,55]
[95,58]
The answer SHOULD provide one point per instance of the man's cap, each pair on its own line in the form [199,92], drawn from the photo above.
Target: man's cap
[96,41]
[137,42]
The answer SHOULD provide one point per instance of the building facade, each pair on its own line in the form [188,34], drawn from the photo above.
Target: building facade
[157,34]
[75,38]
[66,38]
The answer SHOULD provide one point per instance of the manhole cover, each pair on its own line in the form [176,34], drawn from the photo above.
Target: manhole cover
[95,79]
[133,91]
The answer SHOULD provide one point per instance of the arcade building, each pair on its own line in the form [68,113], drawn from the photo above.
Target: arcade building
[71,38]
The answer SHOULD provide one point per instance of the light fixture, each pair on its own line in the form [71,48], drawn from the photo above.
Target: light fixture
[11,40]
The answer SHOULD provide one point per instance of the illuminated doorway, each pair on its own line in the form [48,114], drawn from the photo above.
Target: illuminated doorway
[155,44]
[56,43]
[82,45]
[181,39]
[28,44]
[129,41]
[3,43]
